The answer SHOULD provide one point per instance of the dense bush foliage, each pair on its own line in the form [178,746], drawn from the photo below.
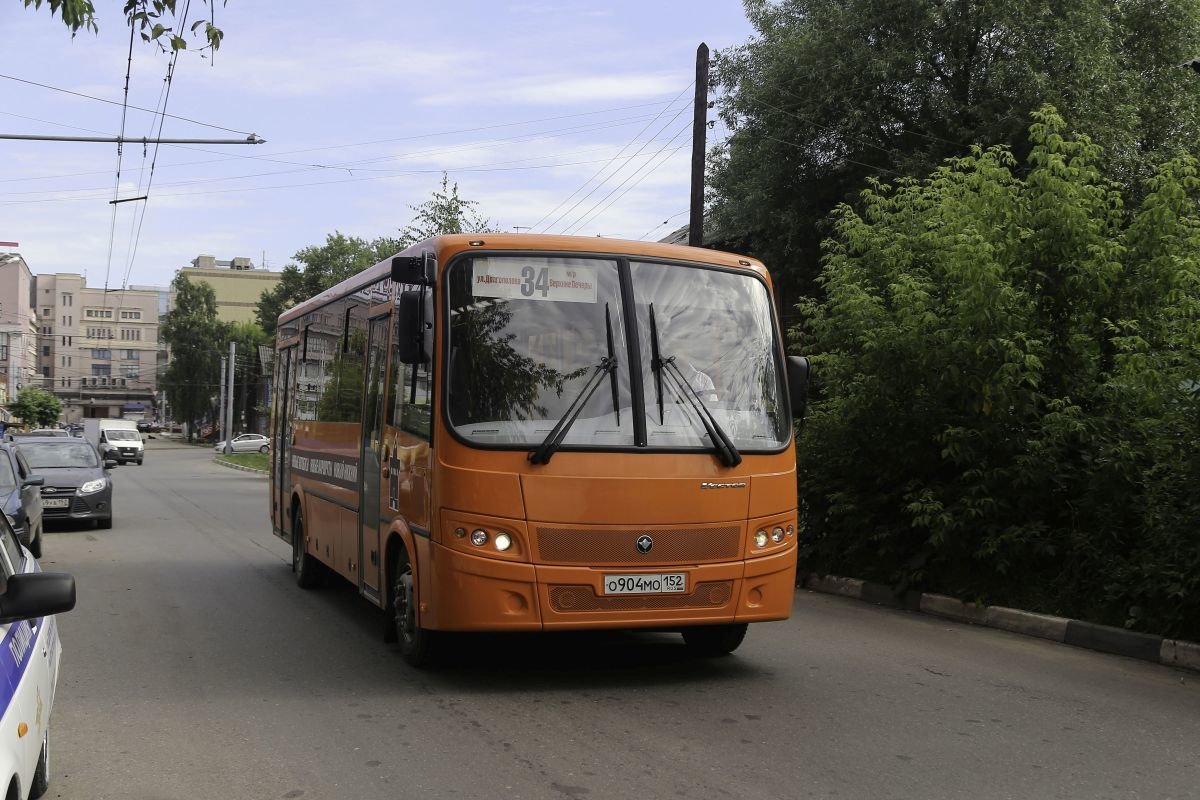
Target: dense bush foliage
[1007,409]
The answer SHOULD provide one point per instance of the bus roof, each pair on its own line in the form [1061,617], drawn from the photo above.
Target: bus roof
[451,245]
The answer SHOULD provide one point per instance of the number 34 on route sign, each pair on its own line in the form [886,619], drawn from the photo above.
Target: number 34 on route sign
[507,278]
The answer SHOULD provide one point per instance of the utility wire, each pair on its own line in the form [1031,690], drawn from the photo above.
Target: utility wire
[124,105]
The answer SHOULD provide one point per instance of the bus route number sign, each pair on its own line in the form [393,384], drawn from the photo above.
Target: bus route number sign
[512,279]
[662,583]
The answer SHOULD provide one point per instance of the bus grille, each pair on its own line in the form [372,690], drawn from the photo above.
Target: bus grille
[606,546]
[711,594]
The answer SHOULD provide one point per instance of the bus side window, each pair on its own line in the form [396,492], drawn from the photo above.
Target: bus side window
[413,392]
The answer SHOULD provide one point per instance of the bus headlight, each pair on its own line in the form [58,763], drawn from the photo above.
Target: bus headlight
[91,487]
[503,541]
[777,535]
[761,539]
[479,537]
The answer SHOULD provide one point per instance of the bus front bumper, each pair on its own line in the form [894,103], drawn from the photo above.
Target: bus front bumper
[473,593]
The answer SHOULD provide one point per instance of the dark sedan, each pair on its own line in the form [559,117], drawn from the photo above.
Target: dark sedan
[77,486]
[20,499]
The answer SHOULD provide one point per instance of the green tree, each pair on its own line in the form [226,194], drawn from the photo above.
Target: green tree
[443,213]
[323,266]
[249,380]
[1006,401]
[156,20]
[320,267]
[196,340]
[36,407]
[831,93]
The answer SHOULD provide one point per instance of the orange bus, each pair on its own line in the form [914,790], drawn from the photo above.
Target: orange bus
[502,432]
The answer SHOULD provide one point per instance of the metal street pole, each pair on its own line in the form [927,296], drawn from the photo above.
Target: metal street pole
[699,129]
[35,137]
[229,411]
[221,403]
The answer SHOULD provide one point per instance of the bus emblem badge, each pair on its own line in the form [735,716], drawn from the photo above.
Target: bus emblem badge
[645,544]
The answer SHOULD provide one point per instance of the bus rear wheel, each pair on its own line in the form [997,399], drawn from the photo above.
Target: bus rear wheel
[714,640]
[416,643]
[305,567]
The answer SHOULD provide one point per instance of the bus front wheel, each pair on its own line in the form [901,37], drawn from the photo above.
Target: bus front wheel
[416,643]
[306,568]
[714,640]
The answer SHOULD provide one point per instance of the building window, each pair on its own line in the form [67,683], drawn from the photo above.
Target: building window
[3,347]
[66,299]
[130,371]
[45,349]
[45,372]
[102,353]
[134,335]
[101,369]
[131,315]
[131,355]
[45,312]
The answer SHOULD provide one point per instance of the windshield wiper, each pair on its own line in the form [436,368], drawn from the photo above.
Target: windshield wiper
[542,453]
[724,446]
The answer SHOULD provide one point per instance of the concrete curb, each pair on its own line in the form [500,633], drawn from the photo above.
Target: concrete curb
[1103,638]
[239,467]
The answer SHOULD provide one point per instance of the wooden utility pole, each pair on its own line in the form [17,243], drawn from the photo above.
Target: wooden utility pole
[699,129]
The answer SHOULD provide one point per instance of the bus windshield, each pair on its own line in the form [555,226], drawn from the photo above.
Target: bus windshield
[528,333]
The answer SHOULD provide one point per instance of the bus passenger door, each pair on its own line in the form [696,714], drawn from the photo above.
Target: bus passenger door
[281,437]
[372,511]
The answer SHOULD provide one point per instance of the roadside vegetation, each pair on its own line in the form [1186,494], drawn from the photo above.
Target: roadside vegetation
[254,460]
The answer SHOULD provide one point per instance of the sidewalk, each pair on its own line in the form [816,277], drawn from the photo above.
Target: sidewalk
[1104,638]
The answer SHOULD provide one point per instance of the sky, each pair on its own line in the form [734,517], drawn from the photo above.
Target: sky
[556,117]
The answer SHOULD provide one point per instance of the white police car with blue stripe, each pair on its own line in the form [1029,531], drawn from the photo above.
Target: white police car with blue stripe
[29,653]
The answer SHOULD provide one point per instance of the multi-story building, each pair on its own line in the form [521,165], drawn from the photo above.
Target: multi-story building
[237,284]
[98,348]
[18,330]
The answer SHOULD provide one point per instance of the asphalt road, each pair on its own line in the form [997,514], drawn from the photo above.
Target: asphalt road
[195,668]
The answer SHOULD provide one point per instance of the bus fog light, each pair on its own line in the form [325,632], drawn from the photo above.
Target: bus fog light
[460,533]
[777,535]
[761,539]
[479,537]
[503,542]
[790,530]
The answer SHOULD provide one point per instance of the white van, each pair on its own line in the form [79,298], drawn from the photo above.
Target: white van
[121,441]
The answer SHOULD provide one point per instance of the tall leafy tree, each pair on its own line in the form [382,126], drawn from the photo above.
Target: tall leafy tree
[158,21]
[444,213]
[196,340]
[832,92]
[249,379]
[320,267]
[37,407]
[1007,404]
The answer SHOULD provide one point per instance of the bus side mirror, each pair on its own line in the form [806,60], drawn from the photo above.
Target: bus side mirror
[797,378]
[414,335]
[415,270]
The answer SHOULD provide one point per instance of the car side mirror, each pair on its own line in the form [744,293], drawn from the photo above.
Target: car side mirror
[36,594]
[34,480]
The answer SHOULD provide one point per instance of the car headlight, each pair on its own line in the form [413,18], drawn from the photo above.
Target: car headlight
[91,487]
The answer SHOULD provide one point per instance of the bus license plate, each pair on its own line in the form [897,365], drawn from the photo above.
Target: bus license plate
[58,502]
[663,583]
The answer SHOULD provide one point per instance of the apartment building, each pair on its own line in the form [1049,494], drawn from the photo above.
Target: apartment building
[237,284]
[18,330]
[98,349]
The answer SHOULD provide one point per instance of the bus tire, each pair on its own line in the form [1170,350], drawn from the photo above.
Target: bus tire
[416,643]
[306,568]
[41,773]
[714,640]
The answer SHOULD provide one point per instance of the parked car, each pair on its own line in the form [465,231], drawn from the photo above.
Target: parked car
[20,498]
[247,443]
[49,432]
[29,598]
[77,486]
